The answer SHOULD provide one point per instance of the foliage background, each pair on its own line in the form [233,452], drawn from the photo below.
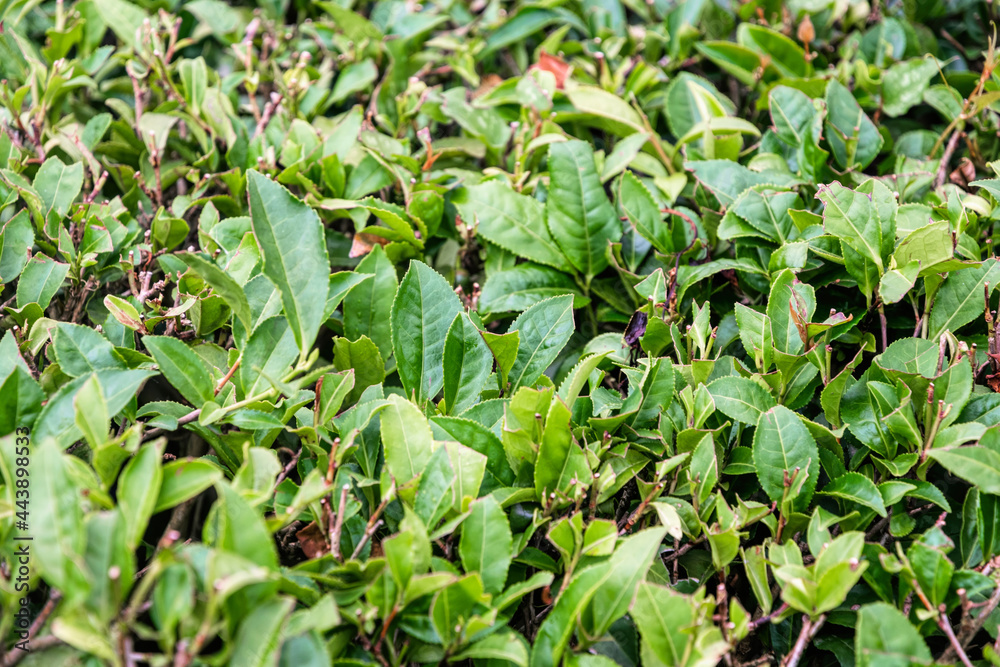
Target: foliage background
[587,332]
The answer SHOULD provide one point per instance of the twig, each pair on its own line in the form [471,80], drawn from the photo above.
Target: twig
[968,630]
[634,517]
[186,419]
[269,110]
[679,552]
[338,523]
[87,288]
[374,521]
[89,199]
[43,615]
[883,324]
[769,617]
[364,538]
[942,171]
[809,630]
[945,626]
[14,657]
[40,644]
[287,469]
[229,376]
[137,92]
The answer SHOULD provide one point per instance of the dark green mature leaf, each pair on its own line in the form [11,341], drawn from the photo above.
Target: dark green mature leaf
[139,488]
[293,248]
[850,215]
[467,364]
[41,279]
[16,239]
[783,449]
[544,329]
[904,83]
[479,438]
[361,357]
[853,137]
[184,479]
[407,439]
[57,521]
[523,286]
[960,299]
[857,488]
[627,565]
[182,368]
[580,216]
[664,617]
[630,563]
[978,465]
[638,205]
[728,180]
[58,185]
[393,458]
[80,350]
[269,353]
[422,312]
[222,283]
[259,638]
[792,113]
[740,398]
[368,309]
[790,306]
[513,221]
[58,418]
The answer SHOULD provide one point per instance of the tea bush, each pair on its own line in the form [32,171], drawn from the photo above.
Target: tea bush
[580,332]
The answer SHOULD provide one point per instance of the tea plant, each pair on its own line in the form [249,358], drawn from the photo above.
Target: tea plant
[584,333]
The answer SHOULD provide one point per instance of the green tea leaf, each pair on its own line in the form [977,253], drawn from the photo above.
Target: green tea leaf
[182,368]
[486,543]
[784,450]
[467,364]
[422,312]
[293,248]
[544,330]
[580,216]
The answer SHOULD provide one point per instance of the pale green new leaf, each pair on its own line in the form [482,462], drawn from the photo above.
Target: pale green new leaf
[407,439]
[486,543]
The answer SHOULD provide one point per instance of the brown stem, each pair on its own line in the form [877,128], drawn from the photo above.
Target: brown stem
[228,377]
[40,644]
[14,657]
[364,538]
[884,325]
[269,110]
[634,517]
[338,523]
[942,171]
[186,419]
[287,469]
[87,288]
[769,617]
[972,625]
[956,647]
[809,630]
